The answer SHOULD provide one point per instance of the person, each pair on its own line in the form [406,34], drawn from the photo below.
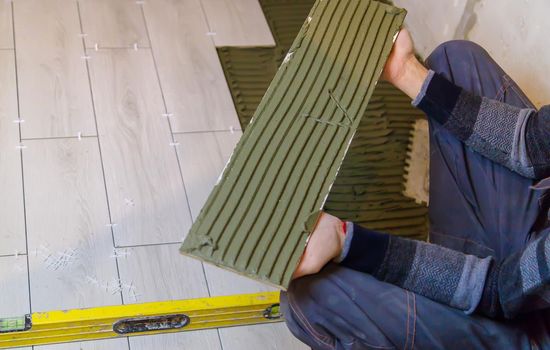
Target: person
[483,281]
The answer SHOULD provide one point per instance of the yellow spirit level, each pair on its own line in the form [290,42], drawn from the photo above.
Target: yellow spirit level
[52,327]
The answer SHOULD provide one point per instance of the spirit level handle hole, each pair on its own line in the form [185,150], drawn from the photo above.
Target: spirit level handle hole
[151,324]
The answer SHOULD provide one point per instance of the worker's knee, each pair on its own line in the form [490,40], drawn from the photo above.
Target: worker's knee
[325,309]
[301,313]
[453,50]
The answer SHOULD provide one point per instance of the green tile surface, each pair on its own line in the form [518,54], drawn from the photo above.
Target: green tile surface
[259,215]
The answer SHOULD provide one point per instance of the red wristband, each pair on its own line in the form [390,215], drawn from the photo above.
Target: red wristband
[344,226]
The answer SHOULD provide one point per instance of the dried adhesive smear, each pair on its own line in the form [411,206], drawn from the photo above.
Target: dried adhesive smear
[258,217]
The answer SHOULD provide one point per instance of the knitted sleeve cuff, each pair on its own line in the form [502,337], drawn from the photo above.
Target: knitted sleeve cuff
[364,249]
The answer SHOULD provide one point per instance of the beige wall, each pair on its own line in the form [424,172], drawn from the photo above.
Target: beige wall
[515,32]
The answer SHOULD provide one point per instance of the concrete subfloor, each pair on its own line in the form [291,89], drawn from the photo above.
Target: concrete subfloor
[514,32]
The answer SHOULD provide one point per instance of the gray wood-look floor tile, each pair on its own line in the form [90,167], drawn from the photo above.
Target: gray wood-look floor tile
[146,192]
[192,79]
[107,344]
[12,231]
[14,286]
[202,158]
[71,261]
[237,23]
[177,341]
[157,273]
[111,23]
[53,84]
[6,30]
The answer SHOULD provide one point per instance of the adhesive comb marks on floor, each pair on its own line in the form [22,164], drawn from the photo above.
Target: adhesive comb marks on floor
[250,70]
[257,218]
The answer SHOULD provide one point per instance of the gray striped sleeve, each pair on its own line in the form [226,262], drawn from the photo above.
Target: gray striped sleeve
[441,274]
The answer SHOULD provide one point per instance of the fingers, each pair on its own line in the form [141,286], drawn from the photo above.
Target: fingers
[304,270]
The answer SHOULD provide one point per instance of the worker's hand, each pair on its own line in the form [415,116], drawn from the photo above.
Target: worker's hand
[325,244]
[402,69]
[401,55]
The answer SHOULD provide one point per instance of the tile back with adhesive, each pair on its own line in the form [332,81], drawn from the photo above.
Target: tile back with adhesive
[260,213]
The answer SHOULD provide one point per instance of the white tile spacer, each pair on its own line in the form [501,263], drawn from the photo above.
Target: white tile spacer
[111,225]
[92,280]
[120,253]
[210,33]
[16,253]
[82,35]
[129,202]
[167,115]
[309,19]
[79,136]
[135,46]
[140,2]
[21,146]
[96,47]
[86,57]
[174,143]
[232,129]
[19,121]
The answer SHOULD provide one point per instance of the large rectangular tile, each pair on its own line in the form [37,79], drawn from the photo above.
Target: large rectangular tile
[54,91]
[157,273]
[146,192]
[237,23]
[14,286]
[193,82]
[109,23]
[6,29]
[12,231]
[71,257]
[257,219]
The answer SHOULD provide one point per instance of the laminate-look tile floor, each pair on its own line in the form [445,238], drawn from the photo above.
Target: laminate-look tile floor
[115,122]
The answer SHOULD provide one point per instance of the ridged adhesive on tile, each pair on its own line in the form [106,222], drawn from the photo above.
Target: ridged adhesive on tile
[258,216]
[369,197]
